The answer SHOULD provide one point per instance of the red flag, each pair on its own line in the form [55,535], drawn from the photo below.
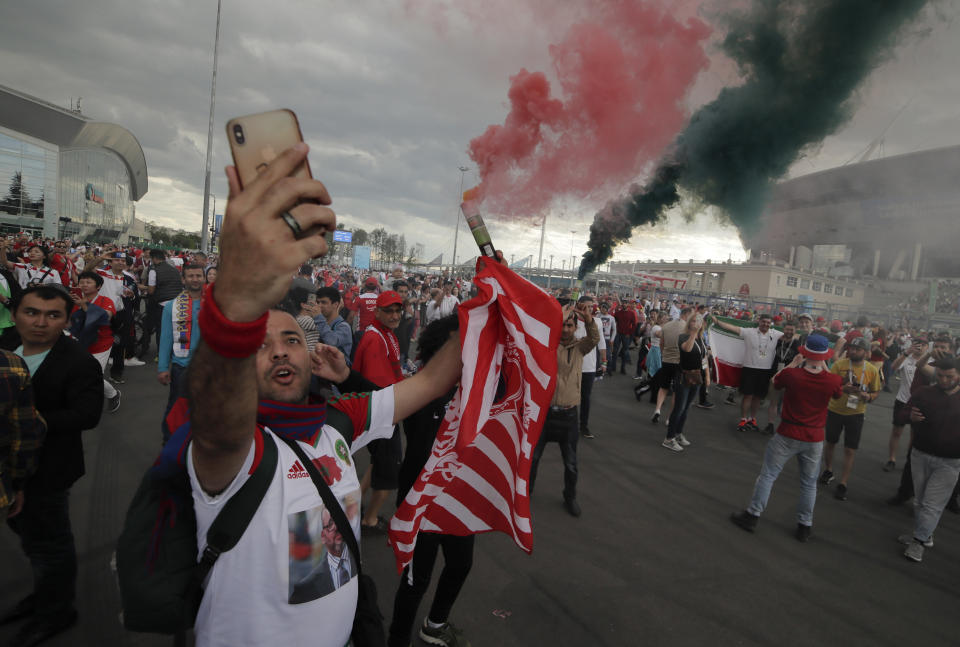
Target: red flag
[476,479]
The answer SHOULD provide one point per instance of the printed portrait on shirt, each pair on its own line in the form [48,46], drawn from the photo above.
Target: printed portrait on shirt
[320,559]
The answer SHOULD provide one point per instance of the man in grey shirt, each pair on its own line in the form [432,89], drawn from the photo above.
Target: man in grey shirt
[670,350]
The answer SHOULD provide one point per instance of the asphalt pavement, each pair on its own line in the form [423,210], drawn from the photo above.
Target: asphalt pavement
[654,560]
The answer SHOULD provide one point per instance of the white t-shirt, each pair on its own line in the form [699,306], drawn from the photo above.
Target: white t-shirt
[654,340]
[907,370]
[176,261]
[609,325]
[760,348]
[27,274]
[590,359]
[282,555]
[112,288]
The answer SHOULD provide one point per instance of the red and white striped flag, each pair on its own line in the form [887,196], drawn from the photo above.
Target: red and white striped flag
[476,479]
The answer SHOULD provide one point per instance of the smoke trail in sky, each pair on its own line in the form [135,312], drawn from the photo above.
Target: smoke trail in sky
[623,73]
[801,62]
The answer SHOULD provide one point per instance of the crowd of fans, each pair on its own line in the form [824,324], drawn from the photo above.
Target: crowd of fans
[129,306]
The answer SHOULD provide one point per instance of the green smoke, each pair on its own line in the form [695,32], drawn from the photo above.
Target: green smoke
[801,61]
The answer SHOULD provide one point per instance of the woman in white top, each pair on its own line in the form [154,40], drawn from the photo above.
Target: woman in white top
[34,272]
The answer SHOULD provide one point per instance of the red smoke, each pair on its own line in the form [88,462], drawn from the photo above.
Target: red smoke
[623,74]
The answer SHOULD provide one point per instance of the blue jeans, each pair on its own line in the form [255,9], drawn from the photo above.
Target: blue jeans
[621,349]
[779,450]
[47,540]
[933,481]
[683,397]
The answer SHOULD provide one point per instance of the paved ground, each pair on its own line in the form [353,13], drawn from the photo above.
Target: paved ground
[653,560]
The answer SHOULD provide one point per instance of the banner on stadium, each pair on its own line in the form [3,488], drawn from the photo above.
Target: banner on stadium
[662,280]
[361,257]
[341,236]
[93,195]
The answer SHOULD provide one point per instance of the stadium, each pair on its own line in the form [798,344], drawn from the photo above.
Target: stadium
[897,217]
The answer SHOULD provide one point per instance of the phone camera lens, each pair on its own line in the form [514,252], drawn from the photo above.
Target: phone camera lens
[238,133]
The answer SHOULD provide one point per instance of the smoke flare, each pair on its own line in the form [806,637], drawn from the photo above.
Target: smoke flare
[801,61]
[623,73]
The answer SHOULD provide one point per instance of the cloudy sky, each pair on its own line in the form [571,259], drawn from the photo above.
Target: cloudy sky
[390,93]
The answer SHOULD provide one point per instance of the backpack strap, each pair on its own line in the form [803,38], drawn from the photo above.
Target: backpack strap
[233,519]
[330,501]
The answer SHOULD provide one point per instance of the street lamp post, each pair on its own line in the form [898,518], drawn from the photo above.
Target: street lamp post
[456,222]
[572,257]
[204,229]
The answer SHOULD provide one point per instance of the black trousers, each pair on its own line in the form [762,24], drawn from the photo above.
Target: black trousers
[47,540]
[559,427]
[457,561]
[151,326]
[124,343]
[586,388]
[642,351]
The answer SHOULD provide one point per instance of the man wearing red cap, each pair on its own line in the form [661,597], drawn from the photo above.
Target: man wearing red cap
[808,387]
[378,360]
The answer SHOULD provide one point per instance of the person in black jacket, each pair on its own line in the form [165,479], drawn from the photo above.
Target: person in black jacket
[421,430]
[68,389]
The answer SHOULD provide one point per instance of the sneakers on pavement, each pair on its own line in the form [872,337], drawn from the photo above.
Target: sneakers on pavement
[731,399]
[680,438]
[803,533]
[906,540]
[572,507]
[914,551]
[117,379]
[672,444]
[586,433]
[114,403]
[768,430]
[744,425]
[841,493]
[745,520]
[655,418]
[889,466]
[753,424]
[705,405]
[133,361]
[826,477]
[446,636]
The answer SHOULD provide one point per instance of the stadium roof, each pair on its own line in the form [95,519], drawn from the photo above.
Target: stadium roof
[70,130]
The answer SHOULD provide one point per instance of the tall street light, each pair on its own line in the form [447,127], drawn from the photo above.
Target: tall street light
[572,257]
[456,222]
[205,227]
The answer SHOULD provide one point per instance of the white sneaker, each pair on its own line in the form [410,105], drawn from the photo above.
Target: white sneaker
[133,361]
[672,444]
[680,438]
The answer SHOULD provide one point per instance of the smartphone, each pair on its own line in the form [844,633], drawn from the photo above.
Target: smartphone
[76,292]
[312,299]
[119,255]
[256,140]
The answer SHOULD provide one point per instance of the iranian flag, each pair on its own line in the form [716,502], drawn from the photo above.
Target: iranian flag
[476,479]
[727,350]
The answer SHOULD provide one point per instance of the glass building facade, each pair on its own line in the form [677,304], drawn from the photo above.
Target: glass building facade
[29,191]
[72,192]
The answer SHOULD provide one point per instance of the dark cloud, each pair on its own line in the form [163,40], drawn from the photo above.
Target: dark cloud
[387,101]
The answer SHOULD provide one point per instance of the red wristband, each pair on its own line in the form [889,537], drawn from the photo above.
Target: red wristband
[225,337]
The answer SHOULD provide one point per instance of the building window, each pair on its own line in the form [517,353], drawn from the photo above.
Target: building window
[791,281]
[838,291]
[850,292]
[805,284]
[827,288]
[816,286]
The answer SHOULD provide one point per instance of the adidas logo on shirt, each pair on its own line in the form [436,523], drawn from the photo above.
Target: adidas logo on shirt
[296,471]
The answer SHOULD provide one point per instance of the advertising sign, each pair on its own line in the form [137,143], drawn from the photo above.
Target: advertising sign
[217,221]
[341,236]
[361,257]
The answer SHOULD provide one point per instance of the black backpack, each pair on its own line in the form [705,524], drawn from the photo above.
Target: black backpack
[161,582]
